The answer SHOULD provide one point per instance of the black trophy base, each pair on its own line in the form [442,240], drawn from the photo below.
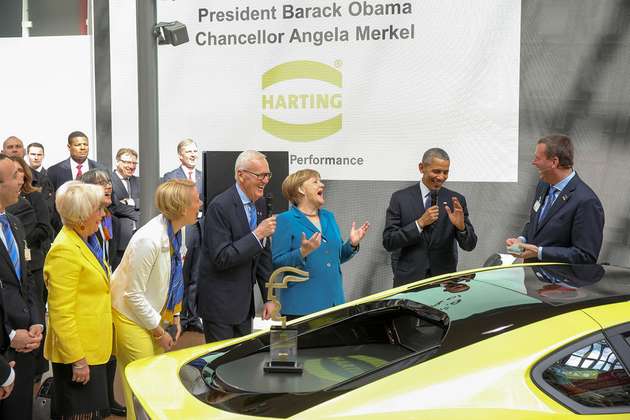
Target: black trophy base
[283,367]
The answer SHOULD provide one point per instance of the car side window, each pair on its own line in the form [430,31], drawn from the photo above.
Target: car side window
[590,375]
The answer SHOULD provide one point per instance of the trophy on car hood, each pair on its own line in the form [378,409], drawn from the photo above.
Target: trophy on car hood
[283,347]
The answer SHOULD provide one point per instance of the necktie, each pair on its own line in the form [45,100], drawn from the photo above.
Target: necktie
[551,195]
[427,201]
[190,175]
[251,209]
[79,172]
[11,244]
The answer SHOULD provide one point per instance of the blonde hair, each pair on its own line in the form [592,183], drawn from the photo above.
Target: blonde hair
[291,184]
[76,201]
[172,197]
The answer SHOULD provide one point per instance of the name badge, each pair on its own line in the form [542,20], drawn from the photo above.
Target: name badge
[27,252]
[536,206]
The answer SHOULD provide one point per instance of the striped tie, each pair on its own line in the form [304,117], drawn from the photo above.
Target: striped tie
[10,244]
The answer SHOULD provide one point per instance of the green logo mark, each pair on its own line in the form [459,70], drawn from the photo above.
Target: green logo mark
[288,102]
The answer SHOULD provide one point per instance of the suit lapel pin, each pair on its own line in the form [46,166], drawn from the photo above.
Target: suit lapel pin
[564,197]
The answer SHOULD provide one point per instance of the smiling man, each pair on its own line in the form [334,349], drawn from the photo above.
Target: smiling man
[425,222]
[77,164]
[566,220]
[236,251]
[188,155]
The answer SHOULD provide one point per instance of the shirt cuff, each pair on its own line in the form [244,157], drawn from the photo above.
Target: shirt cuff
[540,248]
[12,335]
[418,226]
[258,240]
[522,239]
[10,379]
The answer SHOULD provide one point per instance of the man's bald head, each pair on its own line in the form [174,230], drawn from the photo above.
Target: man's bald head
[13,146]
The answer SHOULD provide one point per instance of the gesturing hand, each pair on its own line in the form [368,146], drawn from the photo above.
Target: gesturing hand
[456,215]
[357,234]
[309,245]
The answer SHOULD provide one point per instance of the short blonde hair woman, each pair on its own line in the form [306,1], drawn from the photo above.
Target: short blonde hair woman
[79,340]
[148,286]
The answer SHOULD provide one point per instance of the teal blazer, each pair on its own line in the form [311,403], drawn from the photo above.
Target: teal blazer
[324,287]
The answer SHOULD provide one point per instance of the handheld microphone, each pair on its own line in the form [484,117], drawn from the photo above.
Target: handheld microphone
[434,197]
[269,204]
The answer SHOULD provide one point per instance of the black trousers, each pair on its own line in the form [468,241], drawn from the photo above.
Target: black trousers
[189,314]
[20,403]
[216,332]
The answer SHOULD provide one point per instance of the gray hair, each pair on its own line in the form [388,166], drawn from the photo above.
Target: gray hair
[96,176]
[246,157]
[434,152]
[76,201]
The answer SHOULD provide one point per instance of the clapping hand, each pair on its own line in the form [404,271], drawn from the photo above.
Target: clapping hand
[357,234]
[311,244]
[456,215]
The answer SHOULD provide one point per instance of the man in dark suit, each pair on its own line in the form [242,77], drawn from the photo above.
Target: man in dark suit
[125,200]
[422,228]
[188,156]
[24,319]
[7,374]
[236,252]
[566,221]
[76,164]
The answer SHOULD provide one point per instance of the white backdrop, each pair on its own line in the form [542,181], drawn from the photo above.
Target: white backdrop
[46,85]
[454,85]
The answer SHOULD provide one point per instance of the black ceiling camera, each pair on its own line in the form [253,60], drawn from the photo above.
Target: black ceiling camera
[173,33]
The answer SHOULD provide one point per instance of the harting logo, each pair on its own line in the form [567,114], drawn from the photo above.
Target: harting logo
[302,101]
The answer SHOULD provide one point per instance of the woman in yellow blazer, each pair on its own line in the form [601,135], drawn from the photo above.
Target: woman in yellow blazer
[80,333]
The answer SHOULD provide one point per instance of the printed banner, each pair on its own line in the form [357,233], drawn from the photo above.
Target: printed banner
[357,90]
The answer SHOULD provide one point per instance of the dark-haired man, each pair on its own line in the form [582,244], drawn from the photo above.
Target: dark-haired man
[76,164]
[425,222]
[566,220]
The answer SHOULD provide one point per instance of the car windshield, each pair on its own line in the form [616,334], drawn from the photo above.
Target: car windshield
[357,344]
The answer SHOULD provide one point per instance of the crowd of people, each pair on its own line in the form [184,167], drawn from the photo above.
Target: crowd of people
[115,291]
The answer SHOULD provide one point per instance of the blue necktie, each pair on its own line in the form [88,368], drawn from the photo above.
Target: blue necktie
[551,195]
[11,244]
[427,201]
[251,209]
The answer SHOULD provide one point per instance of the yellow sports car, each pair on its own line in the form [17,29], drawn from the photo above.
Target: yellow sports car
[530,341]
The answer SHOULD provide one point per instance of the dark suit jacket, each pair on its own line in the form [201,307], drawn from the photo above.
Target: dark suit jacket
[19,295]
[434,249]
[5,370]
[231,261]
[62,172]
[572,230]
[179,174]
[34,216]
[127,215]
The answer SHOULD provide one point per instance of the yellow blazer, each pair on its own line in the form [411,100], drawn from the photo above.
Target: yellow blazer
[79,303]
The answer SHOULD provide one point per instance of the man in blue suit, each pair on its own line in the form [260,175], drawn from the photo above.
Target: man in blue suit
[566,221]
[425,222]
[236,252]
[188,155]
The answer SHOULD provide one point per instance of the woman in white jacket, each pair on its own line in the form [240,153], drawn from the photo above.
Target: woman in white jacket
[148,287]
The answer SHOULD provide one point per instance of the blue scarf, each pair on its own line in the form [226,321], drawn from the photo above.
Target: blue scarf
[176,285]
[96,249]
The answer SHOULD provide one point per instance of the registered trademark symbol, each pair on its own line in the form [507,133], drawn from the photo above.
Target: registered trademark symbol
[338,63]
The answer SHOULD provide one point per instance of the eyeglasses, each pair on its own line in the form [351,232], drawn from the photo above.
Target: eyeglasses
[129,162]
[260,177]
